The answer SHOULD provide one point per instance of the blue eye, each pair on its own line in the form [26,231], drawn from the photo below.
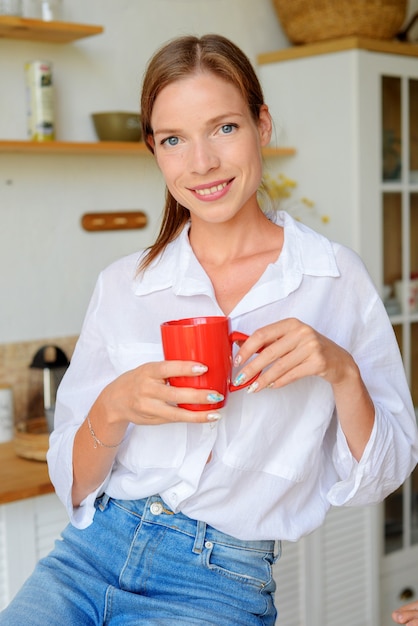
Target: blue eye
[171,141]
[228,128]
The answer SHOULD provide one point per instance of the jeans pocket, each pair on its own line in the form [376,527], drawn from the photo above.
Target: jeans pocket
[241,564]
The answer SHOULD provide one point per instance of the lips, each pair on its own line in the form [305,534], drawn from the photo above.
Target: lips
[208,190]
[213,191]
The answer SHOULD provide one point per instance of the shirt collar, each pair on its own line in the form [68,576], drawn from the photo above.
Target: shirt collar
[305,252]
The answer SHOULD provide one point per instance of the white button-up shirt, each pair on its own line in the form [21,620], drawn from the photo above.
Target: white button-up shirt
[279,457]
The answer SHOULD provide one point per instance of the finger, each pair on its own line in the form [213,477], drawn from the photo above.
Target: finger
[260,338]
[171,369]
[156,402]
[263,337]
[155,411]
[275,362]
[402,616]
[295,355]
[189,395]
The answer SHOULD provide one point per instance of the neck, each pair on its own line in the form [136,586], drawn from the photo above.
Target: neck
[218,244]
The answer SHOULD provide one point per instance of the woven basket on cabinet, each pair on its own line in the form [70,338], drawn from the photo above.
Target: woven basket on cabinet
[307,21]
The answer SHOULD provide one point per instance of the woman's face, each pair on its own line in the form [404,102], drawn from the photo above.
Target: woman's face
[207,146]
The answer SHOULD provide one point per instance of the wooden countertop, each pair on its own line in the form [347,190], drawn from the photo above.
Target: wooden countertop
[21,478]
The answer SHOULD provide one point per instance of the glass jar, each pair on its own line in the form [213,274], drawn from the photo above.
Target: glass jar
[47,10]
[11,7]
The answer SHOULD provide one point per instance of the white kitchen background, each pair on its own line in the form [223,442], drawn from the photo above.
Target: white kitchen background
[49,264]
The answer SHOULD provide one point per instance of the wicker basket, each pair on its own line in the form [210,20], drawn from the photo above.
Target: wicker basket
[307,21]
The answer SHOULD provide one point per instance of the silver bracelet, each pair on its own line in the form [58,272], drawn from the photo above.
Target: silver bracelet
[97,440]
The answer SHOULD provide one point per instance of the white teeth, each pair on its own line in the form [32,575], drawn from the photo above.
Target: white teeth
[209,190]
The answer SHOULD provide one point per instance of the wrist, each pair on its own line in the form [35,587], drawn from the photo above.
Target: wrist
[106,428]
[98,442]
[347,373]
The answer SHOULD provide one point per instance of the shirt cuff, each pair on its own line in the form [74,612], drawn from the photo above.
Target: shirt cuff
[353,475]
[82,516]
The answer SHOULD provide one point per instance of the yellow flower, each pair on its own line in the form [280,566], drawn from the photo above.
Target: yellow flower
[281,188]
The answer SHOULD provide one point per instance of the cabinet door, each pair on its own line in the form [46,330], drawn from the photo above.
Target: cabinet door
[341,574]
[28,530]
[399,201]
[4,589]
[399,586]
[331,576]
[50,518]
[288,572]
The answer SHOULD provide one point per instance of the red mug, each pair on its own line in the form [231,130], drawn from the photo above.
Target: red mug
[207,340]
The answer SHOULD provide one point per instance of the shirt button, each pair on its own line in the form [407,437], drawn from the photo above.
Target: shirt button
[156,508]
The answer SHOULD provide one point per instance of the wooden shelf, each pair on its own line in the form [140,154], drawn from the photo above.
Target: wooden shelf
[339,45]
[100,148]
[73,147]
[12,27]
[272,151]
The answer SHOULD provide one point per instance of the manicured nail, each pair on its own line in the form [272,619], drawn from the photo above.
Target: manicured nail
[237,360]
[199,369]
[239,379]
[214,397]
[253,387]
[214,417]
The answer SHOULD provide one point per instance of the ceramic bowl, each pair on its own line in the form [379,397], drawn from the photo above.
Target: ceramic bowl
[117,126]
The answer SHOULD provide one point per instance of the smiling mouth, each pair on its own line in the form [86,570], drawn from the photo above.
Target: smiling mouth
[207,191]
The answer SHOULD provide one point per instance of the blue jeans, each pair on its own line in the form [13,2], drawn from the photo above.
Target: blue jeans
[139,563]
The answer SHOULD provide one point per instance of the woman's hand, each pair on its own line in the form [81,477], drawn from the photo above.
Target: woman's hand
[142,395]
[293,350]
[407,614]
[139,396]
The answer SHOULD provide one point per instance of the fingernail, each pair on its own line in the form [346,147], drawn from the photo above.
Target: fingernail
[214,417]
[214,397]
[237,360]
[199,369]
[239,379]
[253,387]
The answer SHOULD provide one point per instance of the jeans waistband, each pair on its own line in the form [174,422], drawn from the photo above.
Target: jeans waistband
[155,511]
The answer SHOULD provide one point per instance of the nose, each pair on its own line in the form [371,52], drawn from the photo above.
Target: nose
[203,157]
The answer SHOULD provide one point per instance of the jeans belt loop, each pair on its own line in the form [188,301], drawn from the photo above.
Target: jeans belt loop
[104,502]
[200,537]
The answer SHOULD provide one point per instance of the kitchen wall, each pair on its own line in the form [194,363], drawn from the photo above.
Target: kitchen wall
[48,263]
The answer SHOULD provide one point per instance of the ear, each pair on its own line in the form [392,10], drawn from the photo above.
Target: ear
[151,143]
[265,125]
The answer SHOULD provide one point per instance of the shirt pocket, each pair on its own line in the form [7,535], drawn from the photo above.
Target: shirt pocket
[128,356]
[155,447]
[161,446]
[282,434]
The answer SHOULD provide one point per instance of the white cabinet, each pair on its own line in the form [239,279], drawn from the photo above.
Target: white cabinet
[331,576]
[351,107]
[28,530]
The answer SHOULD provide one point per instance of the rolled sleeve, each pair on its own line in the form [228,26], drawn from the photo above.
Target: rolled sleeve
[386,462]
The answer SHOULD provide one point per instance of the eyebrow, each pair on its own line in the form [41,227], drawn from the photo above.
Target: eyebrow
[210,122]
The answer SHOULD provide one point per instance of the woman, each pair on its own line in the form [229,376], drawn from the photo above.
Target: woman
[174,513]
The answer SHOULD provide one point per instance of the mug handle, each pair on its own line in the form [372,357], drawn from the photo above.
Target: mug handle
[237,336]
